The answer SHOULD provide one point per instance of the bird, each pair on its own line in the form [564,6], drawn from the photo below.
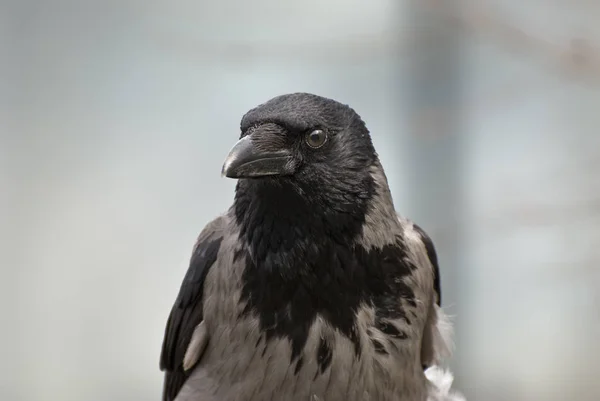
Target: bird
[310,286]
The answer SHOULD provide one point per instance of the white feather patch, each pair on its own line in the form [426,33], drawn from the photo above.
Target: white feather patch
[196,347]
[443,332]
[441,382]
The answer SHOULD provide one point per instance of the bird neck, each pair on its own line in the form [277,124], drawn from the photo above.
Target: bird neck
[281,217]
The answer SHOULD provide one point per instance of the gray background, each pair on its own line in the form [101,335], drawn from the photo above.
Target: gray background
[115,117]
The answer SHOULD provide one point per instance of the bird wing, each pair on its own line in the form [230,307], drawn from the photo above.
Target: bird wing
[185,337]
[436,344]
[432,256]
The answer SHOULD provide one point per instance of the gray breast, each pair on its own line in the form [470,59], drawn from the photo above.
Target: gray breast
[239,364]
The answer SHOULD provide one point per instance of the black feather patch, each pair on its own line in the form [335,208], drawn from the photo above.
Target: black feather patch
[299,364]
[334,285]
[390,329]
[379,348]
[185,315]
[324,355]
[299,264]
[432,255]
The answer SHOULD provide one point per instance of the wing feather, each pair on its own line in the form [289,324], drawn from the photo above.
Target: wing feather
[437,335]
[432,255]
[187,312]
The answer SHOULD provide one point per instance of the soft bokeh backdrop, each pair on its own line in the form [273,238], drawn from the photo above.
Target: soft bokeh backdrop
[115,117]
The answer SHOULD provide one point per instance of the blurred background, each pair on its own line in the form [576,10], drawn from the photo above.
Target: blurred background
[115,118]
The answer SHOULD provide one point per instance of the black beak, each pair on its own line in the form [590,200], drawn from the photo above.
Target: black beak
[246,161]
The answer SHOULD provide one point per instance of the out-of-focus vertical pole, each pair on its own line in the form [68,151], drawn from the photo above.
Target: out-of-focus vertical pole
[12,179]
[433,146]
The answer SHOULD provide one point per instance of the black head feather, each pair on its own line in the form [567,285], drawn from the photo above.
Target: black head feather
[330,186]
[348,151]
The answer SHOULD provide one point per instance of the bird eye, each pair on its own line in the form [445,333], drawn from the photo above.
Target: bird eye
[316,139]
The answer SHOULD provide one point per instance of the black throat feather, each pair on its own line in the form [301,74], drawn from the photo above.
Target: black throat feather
[302,259]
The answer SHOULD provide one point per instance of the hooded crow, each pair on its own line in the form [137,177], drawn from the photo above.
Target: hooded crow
[311,286]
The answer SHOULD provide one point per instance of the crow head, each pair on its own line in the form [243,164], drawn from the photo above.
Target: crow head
[316,145]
